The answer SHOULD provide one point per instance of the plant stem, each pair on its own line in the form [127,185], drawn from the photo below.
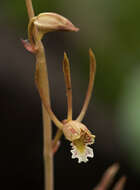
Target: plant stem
[47,130]
[30,8]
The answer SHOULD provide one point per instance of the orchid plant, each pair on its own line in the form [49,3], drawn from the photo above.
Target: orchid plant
[74,130]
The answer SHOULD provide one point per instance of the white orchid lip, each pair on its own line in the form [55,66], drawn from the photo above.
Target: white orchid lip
[81,153]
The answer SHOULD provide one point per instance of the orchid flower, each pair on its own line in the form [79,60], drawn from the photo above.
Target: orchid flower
[73,130]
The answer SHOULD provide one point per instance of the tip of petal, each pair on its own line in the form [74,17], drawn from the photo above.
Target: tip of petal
[69,27]
[75,29]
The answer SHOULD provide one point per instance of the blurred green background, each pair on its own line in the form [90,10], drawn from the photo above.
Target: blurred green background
[111,29]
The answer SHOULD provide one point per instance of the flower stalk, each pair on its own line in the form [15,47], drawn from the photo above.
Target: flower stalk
[37,27]
[47,131]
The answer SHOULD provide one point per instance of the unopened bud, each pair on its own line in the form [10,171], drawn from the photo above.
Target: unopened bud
[49,22]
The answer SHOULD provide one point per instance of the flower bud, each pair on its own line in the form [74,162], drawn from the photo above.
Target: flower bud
[74,130]
[49,22]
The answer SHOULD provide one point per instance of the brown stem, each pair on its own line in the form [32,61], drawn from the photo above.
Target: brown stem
[30,8]
[47,131]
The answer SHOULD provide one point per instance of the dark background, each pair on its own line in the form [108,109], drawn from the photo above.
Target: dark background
[111,29]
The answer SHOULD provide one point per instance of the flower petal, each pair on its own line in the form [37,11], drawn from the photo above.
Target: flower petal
[82,156]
